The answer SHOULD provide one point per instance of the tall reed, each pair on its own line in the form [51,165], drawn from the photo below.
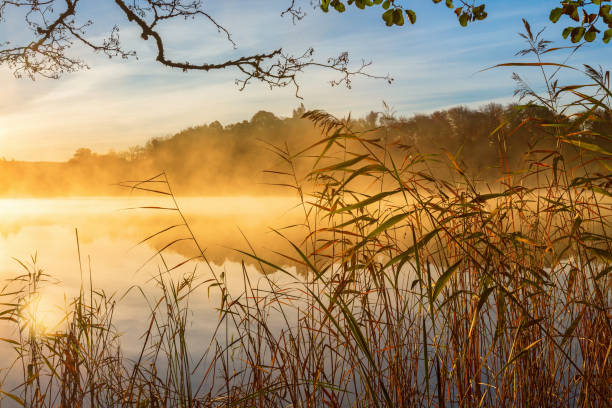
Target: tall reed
[414,290]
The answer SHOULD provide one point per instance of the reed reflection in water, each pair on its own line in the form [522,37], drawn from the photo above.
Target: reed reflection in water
[113,258]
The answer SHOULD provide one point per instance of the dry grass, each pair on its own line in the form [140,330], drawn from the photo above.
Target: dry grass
[420,291]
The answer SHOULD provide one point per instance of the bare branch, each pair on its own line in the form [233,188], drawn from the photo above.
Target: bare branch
[295,12]
[47,55]
[54,33]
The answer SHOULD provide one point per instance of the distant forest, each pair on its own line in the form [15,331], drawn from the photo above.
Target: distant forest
[214,159]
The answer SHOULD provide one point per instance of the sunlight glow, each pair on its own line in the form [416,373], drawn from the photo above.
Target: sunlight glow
[3,136]
[41,316]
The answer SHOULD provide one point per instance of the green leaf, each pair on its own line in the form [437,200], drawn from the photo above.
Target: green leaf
[517,356]
[443,280]
[463,19]
[588,146]
[572,327]
[501,315]
[577,34]
[604,12]
[600,190]
[590,35]
[482,299]
[601,253]
[388,224]
[398,17]
[387,16]
[556,161]
[607,35]
[482,16]
[479,13]
[574,13]
[408,253]
[366,170]
[481,198]
[556,14]
[411,16]
[13,397]
[367,201]
[566,32]
[341,165]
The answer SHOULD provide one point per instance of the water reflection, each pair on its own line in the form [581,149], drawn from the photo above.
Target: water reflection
[111,259]
[117,224]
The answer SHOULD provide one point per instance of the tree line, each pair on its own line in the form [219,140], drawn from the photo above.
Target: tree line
[213,159]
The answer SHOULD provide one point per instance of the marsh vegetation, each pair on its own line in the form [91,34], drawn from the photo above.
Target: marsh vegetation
[418,282]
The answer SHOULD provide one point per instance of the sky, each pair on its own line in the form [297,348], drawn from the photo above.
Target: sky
[118,103]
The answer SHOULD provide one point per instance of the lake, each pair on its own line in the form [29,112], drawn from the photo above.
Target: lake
[110,232]
[354,314]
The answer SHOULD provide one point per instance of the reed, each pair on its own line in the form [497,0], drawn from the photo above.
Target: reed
[414,290]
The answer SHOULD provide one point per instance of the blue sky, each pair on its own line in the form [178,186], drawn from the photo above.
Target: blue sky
[117,104]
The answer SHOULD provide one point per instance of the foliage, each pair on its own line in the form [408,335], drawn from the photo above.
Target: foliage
[393,13]
[593,16]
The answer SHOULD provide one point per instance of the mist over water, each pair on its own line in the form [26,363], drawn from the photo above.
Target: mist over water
[110,228]
[243,158]
[376,239]
[109,231]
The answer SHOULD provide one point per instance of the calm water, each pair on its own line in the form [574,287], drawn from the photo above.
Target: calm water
[109,230]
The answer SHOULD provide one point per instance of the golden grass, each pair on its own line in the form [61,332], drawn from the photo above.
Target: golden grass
[418,291]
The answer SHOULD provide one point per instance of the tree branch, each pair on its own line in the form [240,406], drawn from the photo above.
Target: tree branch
[55,34]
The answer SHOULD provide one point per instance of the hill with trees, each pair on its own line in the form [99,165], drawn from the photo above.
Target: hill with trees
[213,159]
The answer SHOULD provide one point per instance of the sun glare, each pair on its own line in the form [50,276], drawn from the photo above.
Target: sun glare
[42,316]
